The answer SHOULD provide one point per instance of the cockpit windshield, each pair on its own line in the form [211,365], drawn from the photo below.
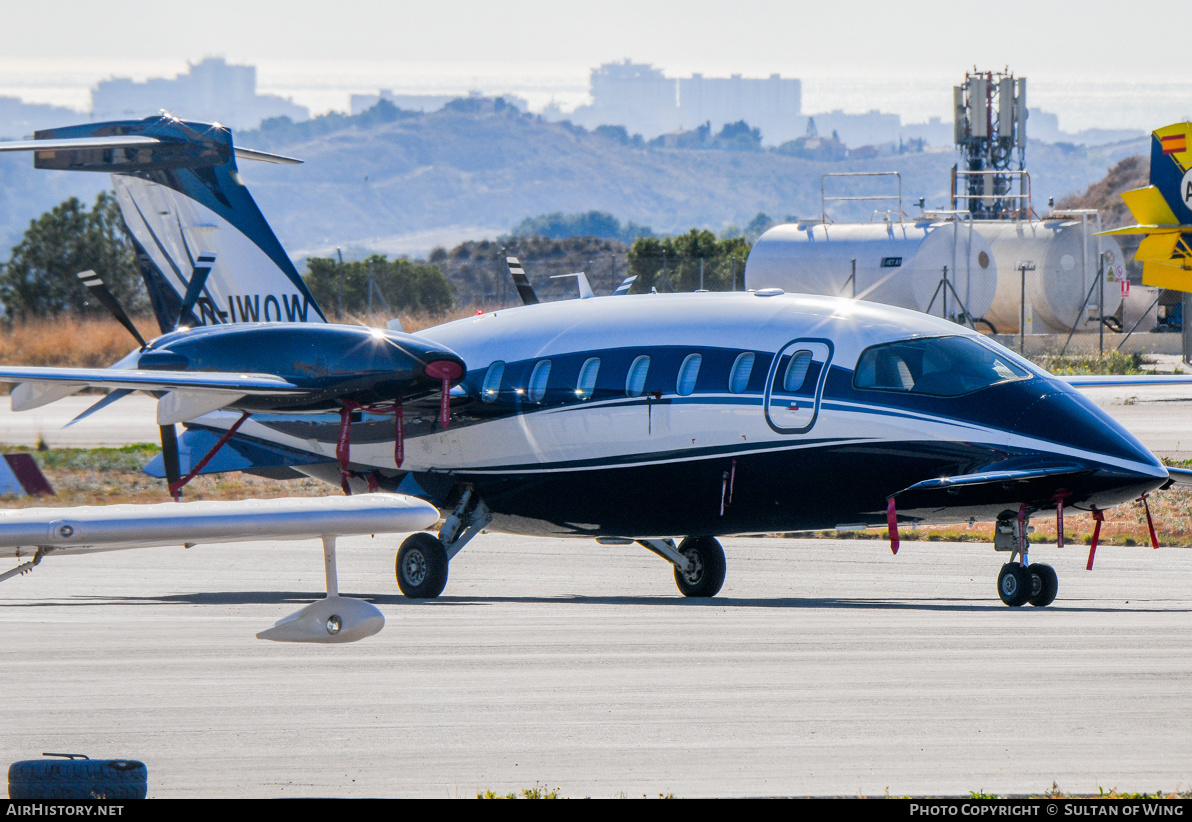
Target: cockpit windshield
[937,366]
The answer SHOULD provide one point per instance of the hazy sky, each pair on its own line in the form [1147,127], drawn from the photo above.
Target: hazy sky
[782,35]
[560,41]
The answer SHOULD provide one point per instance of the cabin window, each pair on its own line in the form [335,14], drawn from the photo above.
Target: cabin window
[796,371]
[635,382]
[738,378]
[538,378]
[492,381]
[936,366]
[586,384]
[688,372]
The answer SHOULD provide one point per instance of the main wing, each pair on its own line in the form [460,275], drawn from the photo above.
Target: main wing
[39,532]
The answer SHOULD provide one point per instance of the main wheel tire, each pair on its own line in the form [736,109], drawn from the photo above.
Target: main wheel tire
[707,575]
[1044,584]
[421,567]
[1014,584]
[77,779]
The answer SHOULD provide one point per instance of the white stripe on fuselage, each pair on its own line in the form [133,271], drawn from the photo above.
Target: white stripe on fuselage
[618,433]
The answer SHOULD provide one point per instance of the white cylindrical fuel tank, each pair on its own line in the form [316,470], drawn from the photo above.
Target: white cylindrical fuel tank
[897,263]
[1066,257]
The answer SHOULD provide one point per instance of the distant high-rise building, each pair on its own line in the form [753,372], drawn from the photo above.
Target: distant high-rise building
[772,105]
[211,91]
[645,101]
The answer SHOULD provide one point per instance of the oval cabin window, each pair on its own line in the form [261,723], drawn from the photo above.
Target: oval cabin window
[688,373]
[635,382]
[796,371]
[492,381]
[738,378]
[586,384]
[538,378]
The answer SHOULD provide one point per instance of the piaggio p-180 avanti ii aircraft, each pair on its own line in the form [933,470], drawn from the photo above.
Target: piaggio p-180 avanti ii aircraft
[629,418]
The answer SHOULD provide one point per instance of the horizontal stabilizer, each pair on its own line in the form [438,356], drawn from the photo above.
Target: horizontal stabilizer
[75,379]
[581,279]
[1149,207]
[127,141]
[240,453]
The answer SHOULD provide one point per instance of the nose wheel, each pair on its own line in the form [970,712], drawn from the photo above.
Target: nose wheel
[1018,584]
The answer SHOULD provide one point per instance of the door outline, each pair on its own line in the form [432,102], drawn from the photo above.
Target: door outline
[809,344]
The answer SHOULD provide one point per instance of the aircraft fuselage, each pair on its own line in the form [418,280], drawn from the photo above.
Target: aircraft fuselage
[721,414]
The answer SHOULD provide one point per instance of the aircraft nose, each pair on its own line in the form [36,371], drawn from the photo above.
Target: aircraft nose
[1068,418]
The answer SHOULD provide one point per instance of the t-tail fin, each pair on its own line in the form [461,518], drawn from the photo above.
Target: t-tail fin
[1164,211]
[193,220]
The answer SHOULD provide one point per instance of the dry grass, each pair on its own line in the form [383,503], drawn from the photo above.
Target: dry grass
[104,476]
[69,341]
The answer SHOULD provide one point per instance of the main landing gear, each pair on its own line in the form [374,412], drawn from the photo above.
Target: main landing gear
[422,560]
[699,563]
[1021,581]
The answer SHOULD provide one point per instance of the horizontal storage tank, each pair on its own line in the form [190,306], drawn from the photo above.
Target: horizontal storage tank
[1065,254]
[897,263]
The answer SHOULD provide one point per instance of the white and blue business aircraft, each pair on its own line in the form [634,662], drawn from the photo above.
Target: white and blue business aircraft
[639,418]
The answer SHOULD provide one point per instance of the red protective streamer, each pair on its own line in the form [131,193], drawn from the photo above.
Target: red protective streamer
[892,522]
[445,370]
[343,445]
[1098,518]
[1059,517]
[1150,524]
[176,487]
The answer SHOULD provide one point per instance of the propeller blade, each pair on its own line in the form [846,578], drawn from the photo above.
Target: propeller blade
[524,289]
[169,454]
[97,289]
[194,288]
[119,393]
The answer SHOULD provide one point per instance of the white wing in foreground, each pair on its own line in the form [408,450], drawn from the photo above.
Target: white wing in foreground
[39,532]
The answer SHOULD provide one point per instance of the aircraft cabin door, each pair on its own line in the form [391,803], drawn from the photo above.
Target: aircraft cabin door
[796,384]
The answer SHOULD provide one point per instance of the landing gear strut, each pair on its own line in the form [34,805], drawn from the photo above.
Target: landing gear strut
[422,560]
[1021,581]
[699,563]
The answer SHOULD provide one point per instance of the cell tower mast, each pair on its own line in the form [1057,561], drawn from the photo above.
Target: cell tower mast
[990,132]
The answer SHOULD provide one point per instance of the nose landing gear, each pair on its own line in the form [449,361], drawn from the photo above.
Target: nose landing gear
[1021,581]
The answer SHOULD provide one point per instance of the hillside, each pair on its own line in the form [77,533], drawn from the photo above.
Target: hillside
[1105,195]
[401,182]
[479,172]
